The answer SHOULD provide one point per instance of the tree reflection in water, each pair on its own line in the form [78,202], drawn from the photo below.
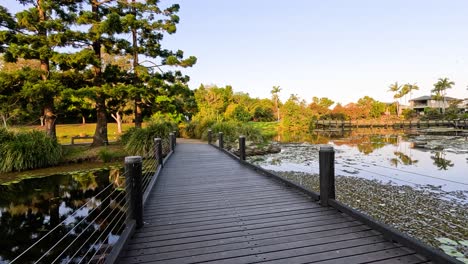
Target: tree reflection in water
[440,161]
[32,207]
[402,158]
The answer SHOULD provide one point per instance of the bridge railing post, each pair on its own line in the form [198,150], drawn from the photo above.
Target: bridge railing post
[242,147]
[221,140]
[210,136]
[327,174]
[172,141]
[175,138]
[158,151]
[133,178]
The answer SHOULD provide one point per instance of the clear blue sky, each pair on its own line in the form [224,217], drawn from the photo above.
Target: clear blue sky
[337,49]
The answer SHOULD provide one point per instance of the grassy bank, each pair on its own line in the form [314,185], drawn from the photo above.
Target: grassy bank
[65,132]
[269,130]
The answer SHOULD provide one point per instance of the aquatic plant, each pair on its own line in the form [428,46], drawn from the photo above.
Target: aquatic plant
[27,150]
[454,248]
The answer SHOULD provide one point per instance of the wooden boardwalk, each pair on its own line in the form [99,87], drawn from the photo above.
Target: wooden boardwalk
[208,208]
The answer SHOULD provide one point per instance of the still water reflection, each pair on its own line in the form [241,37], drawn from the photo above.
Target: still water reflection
[31,208]
[399,157]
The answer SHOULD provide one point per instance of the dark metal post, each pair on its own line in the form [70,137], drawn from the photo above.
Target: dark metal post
[158,150]
[171,139]
[327,174]
[221,140]
[134,188]
[242,148]
[210,136]
[175,138]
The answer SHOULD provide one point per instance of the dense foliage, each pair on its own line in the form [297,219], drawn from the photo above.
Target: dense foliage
[140,141]
[27,150]
[95,59]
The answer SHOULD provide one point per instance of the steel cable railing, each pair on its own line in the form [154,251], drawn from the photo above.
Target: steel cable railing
[89,236]
[108,214]
[61,223]
[70,232]
[112,231]
[112,223]
[414,173]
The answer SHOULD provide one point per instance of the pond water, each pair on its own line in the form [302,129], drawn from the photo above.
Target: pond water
[436,162]
[413,182]
[63,204]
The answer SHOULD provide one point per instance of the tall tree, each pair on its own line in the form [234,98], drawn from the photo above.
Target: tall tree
[148,23]
[395,89]
[275,93]
[36,33]
[440,88]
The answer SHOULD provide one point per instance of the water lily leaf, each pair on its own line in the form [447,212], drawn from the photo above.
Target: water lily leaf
[464,243]
[447,241]
[464,260]
[451,251]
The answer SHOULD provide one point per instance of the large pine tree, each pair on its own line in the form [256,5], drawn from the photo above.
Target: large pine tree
[37,33]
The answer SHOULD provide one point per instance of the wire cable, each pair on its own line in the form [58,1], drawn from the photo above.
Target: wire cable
[106,238]
[415,173]
[84,243]
[61,223]
[60,240]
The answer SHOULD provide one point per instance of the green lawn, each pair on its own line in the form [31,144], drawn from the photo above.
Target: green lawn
[269,129]
[65,132]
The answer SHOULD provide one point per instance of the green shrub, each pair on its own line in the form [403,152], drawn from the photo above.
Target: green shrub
[106,155]
[232,130]
[187,129]
[27,150]
[140,141]
[431,114]
[409,114]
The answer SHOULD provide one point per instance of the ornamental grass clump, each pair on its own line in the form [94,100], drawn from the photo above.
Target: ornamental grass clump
[140,141]
[27,150]
[232,130]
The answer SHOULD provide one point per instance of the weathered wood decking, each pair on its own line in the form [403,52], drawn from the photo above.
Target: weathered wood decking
[207,207]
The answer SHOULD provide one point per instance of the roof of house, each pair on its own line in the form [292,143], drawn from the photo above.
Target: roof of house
[429,97]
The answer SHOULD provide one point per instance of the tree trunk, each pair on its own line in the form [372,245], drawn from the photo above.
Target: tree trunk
[137,110]
[50,120]
[49,116]
[397,108]
[118,118]
[83,120]
[4,121]
[100,135]
[138,117]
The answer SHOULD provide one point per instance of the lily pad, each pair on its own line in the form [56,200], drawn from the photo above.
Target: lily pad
[463,260]
[447,241]
[464,243]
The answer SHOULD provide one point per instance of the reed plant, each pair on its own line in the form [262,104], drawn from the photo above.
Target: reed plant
[140,141]
[27,150]
[232,130]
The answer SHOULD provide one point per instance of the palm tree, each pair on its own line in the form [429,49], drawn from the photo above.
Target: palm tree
[275,92]
[413,87]
[439,89]
[395,88]
[408,89]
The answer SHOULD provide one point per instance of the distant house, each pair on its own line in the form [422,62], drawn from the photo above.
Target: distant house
[425,101]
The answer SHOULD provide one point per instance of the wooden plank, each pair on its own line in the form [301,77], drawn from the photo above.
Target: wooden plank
[208,208]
